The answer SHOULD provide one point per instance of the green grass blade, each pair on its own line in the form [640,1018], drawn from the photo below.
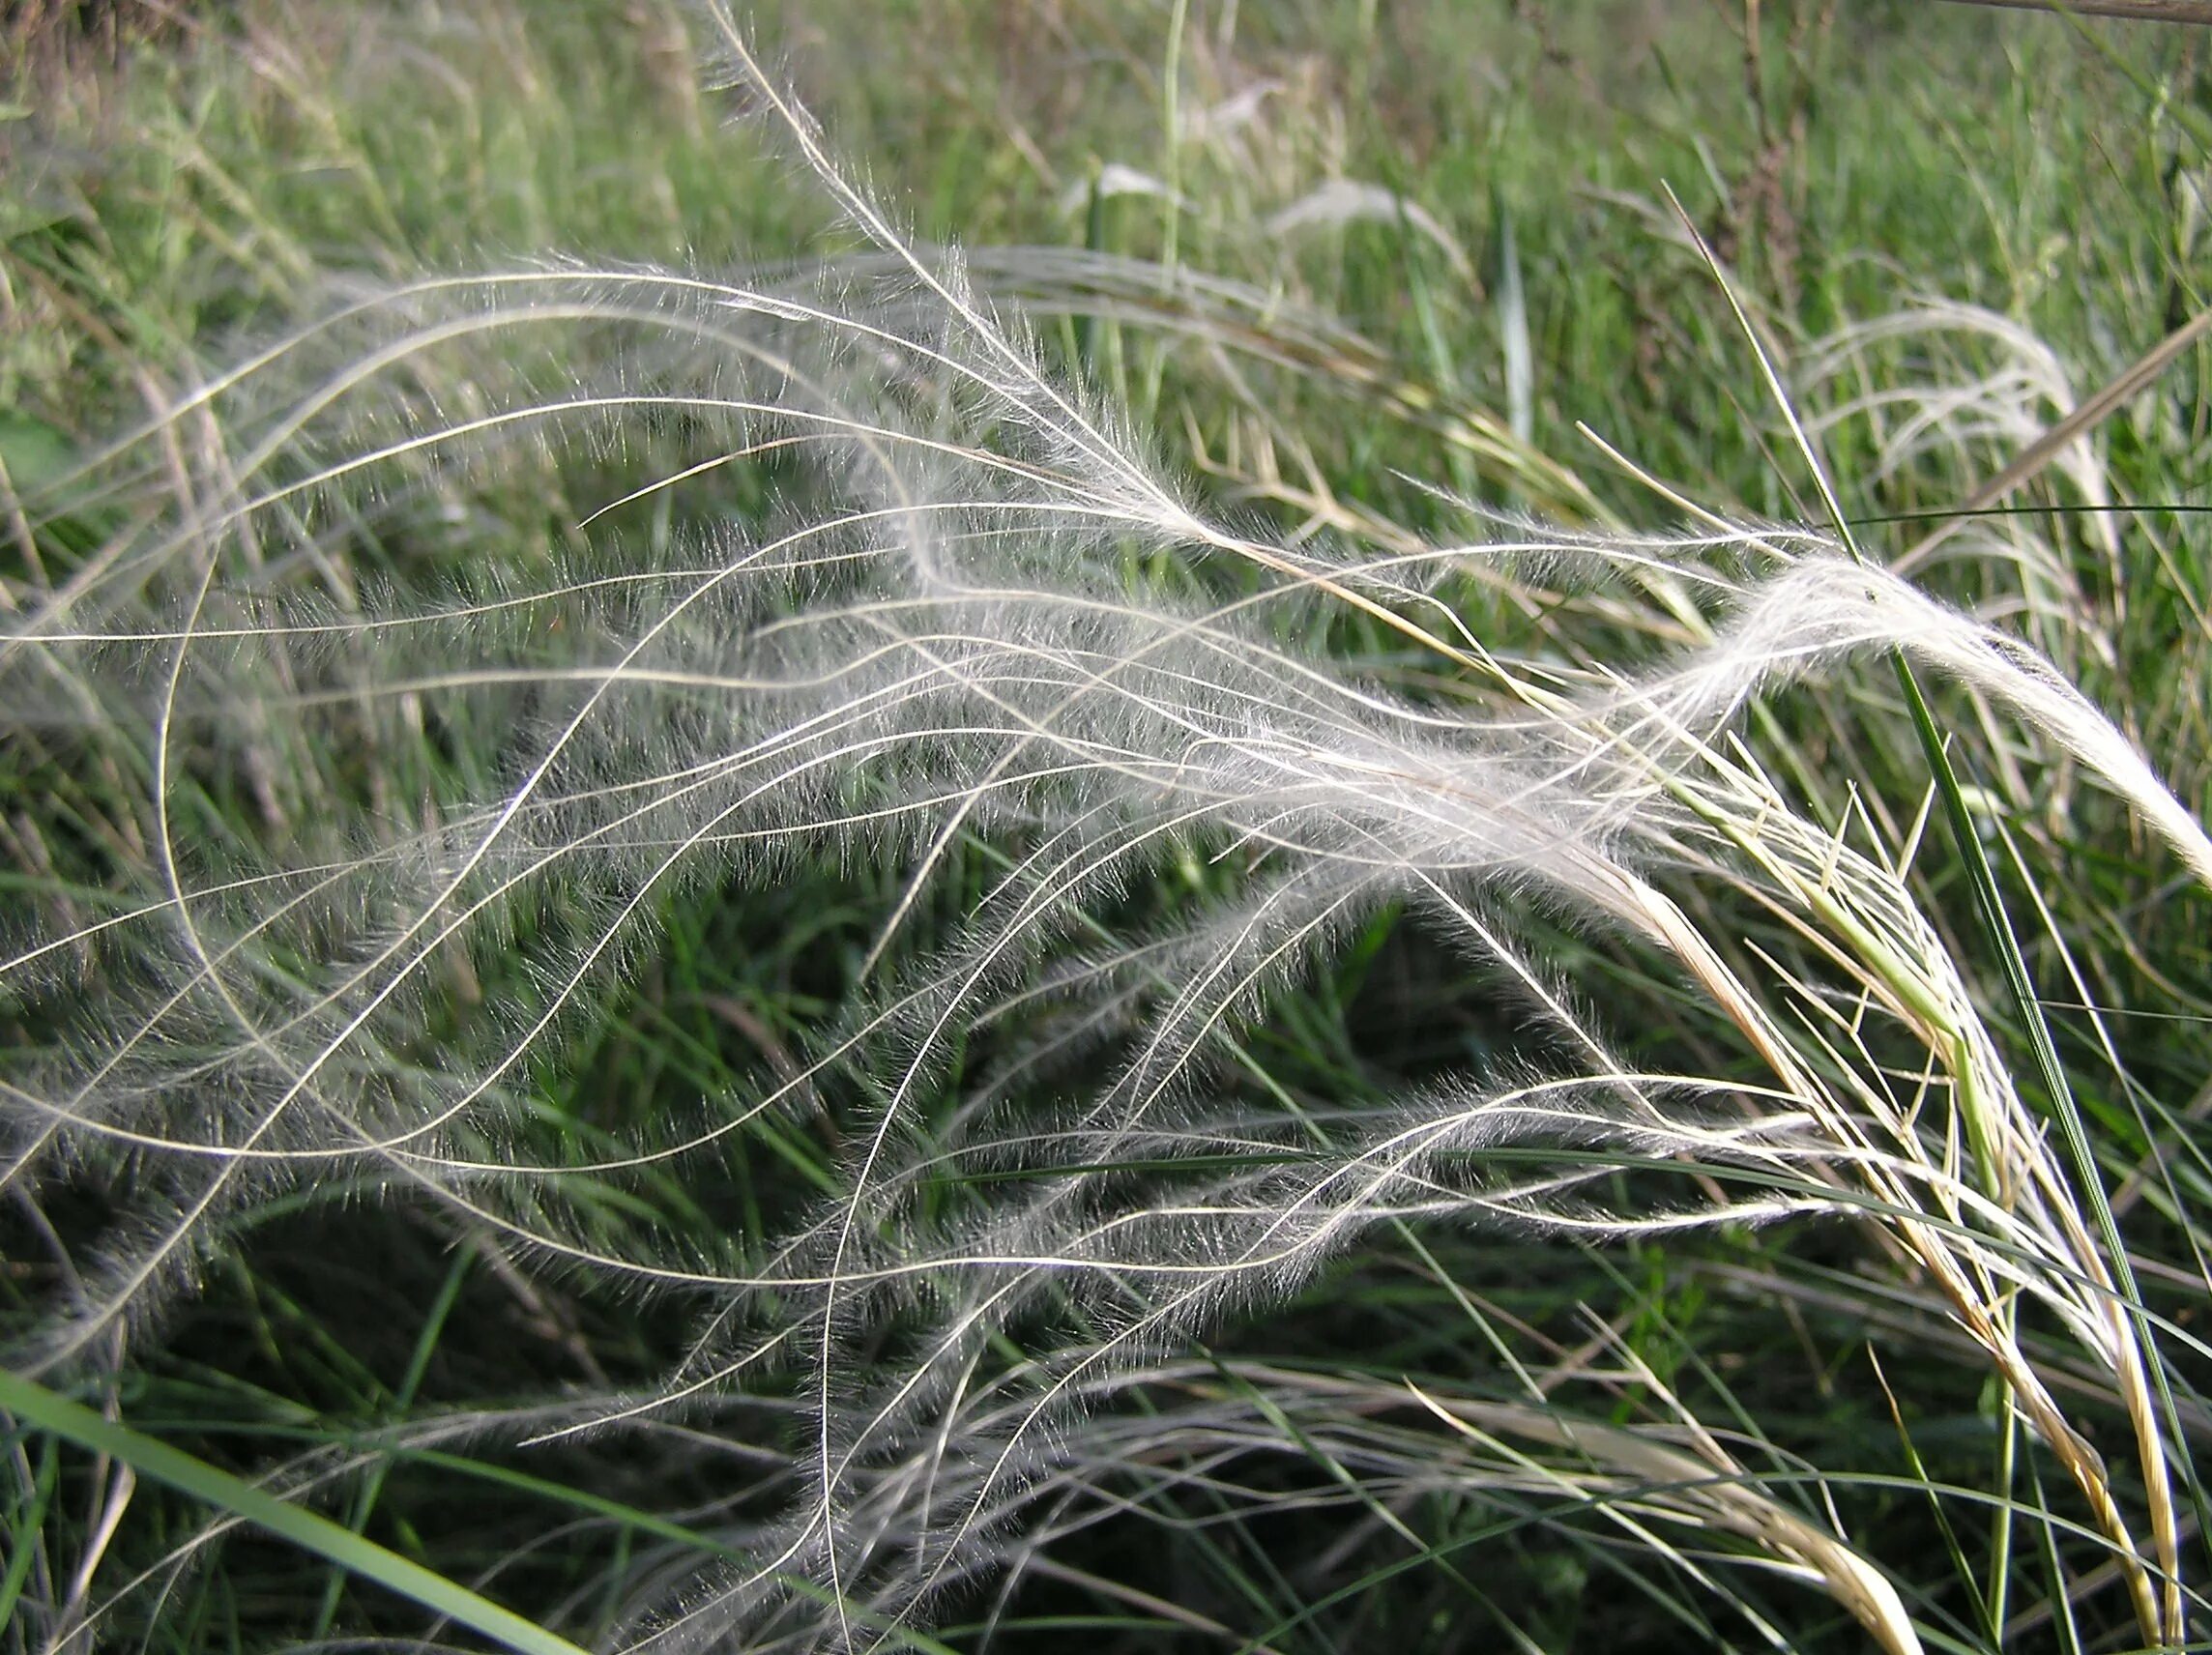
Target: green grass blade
[25,1528]
[34,1404]
[418,1365]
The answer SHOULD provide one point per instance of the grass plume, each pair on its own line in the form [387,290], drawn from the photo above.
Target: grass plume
[361,754]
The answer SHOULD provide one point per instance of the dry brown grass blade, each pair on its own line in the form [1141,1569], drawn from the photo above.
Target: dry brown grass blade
[2090,413]
[2137,10]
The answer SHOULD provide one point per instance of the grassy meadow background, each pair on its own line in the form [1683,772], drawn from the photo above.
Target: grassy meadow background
[1457,279]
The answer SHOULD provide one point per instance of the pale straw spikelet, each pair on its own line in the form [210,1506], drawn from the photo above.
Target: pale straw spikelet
[939,638]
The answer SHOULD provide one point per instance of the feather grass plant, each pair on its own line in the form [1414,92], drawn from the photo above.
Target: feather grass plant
[976,619]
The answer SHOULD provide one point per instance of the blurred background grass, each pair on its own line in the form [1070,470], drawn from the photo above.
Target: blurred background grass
[1327,246]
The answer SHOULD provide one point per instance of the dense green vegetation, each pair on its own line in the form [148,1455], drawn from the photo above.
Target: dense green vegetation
[1361,281]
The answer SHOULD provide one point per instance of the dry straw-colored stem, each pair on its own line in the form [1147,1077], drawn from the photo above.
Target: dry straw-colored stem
[2137,10]
[2092,412]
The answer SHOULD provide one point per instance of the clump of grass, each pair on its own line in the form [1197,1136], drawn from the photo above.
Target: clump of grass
[377,840]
